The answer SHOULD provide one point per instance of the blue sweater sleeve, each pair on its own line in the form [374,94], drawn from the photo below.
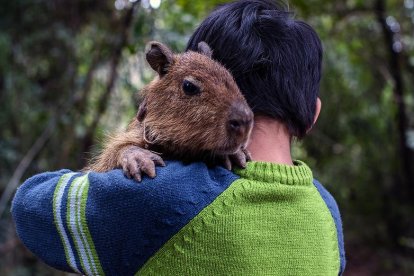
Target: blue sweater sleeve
[333,208]
[104,223]
[32,213]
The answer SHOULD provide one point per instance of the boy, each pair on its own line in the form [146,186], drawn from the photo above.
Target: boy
[271,218]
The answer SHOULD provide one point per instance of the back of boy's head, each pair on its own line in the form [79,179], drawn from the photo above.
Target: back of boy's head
[275,59]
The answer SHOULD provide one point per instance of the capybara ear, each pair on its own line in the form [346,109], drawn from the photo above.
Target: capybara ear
[204,49]
[159,57]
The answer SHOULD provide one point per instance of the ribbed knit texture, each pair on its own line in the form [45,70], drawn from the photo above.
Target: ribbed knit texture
[297,175]
[272,221]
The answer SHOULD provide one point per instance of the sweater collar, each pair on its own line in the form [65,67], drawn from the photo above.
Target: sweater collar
[298,174]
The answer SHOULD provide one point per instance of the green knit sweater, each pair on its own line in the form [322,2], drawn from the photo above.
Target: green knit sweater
[268,219]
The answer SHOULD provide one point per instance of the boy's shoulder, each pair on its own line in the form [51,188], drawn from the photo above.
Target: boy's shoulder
[174,174]
[177,185]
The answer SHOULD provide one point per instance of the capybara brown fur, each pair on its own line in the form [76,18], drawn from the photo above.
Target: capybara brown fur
[192,111]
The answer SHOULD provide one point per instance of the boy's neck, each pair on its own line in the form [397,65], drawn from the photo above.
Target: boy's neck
[270,141]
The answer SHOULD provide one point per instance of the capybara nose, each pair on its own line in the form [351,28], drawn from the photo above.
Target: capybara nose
[240,119]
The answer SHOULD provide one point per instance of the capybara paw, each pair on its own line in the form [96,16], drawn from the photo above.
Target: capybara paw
[238,159]
[135,161]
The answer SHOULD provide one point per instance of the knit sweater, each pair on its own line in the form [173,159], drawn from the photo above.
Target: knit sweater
[267,219]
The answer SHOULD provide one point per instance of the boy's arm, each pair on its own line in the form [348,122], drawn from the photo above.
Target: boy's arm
[91,224]
[104,223]
[333,208]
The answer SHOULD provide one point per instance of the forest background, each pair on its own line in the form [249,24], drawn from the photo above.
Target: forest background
[69,71]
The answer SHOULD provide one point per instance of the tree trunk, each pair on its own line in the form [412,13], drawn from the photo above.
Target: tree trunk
[402,193]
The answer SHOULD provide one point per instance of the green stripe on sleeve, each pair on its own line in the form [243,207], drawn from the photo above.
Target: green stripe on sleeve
[77,224]
[89,242]
[57,215]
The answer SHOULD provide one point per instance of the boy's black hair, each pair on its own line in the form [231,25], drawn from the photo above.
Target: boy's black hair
[275,59]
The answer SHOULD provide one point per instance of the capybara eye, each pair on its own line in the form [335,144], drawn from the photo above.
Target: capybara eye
[190,88]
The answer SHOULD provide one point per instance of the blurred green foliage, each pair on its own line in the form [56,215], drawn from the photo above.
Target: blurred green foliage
[57,59]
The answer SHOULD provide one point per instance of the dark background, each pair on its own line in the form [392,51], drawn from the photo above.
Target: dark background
[69,70]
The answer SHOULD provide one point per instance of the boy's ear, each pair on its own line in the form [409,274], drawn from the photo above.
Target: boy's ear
[159,57]
[318,108]
[204,49]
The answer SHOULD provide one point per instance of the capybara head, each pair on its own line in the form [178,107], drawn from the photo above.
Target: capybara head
[193,106]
